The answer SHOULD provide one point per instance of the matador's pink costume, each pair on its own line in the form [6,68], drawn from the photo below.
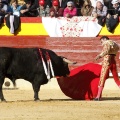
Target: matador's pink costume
[110,49]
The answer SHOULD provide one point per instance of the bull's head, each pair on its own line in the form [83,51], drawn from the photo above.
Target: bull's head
[65,69]
[60,66]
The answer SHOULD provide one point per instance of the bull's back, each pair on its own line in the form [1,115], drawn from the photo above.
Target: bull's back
[7,53]
[18,62]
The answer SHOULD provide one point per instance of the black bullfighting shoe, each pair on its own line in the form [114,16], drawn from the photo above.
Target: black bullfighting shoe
[96,99]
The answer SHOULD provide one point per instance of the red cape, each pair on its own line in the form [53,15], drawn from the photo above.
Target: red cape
[82,83]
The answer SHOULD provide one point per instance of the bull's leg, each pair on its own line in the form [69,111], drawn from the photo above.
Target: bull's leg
[1,92]
[36,88]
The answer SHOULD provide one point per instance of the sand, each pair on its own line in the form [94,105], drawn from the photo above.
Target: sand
[54,105]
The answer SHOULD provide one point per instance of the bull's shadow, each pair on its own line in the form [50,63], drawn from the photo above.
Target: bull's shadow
[43,100]
[64,100]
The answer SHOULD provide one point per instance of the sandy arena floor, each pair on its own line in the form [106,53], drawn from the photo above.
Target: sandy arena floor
[54,105]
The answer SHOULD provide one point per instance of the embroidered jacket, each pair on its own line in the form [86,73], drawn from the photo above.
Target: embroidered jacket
[109,47]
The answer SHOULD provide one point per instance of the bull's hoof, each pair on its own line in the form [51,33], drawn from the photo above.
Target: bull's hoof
[36,100]
[3,100]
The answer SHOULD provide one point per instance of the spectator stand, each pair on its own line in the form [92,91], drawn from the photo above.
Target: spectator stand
[33,26]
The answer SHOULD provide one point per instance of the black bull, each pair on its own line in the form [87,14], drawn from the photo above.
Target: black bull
[26,63]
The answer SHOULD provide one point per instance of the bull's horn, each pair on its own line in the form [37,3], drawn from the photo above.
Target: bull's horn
[68,61]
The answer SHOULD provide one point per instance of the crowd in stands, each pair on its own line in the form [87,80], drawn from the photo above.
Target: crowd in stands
[106,11]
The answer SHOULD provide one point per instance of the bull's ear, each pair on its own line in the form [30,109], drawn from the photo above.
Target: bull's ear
[68,61]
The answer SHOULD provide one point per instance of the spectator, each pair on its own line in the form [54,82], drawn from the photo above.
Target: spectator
[119,2]
[21,2]
[78,3]
[93,2]
[3,11]
[63,3]
[34,4]
[5,1]
[100,12]
[55,10]
[114,8]
[43,12]
[30,8]
[70,10]
[87,8]
[106,2]
[14,8]
[13,18]
[48,3]
[110,5]
[113,16]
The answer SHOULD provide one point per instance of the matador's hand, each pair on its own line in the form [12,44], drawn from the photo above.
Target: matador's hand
[97,57]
